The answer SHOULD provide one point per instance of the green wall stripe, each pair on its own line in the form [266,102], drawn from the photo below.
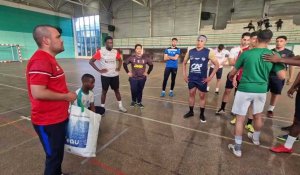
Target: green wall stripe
[19,20]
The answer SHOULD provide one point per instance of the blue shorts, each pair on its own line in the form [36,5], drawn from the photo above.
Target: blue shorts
[275,85]
[200,86]
[218,73]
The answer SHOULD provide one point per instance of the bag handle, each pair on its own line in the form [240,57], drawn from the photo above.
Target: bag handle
[79,98]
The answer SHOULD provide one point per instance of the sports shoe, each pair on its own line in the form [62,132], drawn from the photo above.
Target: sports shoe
[132,104]
[233,121]
[207,89]
[162,94]
[281,149]
[237,153]
[220,111]
[122,109]
[284,137]
[270,114]
[202,119]
[140,105]
[287,128]
[171,94]
[189,114]
[250,128]
[250,136]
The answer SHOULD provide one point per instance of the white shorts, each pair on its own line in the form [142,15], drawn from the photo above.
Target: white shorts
[243,100]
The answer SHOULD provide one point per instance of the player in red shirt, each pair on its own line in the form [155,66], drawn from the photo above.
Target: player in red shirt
[49,96]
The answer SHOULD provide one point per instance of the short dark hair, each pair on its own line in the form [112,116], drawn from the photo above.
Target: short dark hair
[108,38]
[264,35]
[138,45]
[253,34]
[41,31]
[174,39]
[221,46]
[282,37]
[246,34]
[60,31]
[86,77]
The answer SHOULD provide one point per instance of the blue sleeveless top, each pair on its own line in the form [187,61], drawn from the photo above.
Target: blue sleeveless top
[198,65]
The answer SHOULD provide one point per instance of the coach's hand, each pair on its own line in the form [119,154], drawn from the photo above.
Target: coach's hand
[71,96]
[129,74]
[291,92]
[103,71]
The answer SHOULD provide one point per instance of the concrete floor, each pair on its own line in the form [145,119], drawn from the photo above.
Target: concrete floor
[155,140]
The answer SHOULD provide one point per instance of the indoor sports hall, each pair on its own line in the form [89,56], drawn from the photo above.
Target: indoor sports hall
[153,136]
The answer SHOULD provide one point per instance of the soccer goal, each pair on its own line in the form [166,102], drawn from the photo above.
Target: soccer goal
[10,53]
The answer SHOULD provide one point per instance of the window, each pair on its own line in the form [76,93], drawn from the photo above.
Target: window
[87,33]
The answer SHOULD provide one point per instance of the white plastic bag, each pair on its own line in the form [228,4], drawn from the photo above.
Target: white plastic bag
[82,132]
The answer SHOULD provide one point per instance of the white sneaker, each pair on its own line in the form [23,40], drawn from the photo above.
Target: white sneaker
[237,153]
[250,136]
[122,109]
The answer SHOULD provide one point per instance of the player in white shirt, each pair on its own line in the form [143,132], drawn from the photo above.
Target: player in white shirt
[222,57]
[109,70]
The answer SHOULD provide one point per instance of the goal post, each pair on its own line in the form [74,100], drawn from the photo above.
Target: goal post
[10,53]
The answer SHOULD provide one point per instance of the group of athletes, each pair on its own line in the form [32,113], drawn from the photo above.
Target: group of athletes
[255,71]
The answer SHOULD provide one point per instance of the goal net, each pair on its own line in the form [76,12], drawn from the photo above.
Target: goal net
[10,53]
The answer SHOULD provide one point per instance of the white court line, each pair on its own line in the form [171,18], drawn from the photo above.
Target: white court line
[11,75]
[26,118]
[186,104]
[15,109]
[191,129]
[13,87]
[15,146]
[106,145]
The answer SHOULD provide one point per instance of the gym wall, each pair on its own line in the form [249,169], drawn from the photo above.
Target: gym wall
[16,26]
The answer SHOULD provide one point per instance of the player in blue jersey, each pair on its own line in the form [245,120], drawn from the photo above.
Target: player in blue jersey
[171,56]
[197,79]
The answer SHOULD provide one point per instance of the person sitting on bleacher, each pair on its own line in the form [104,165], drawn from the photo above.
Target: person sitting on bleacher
[250,26]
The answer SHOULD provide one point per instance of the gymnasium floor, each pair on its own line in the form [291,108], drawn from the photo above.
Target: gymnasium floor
[155,140]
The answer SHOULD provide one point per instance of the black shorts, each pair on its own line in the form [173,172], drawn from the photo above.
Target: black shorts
[297,106]
[113,82]
[201,87]
[275,85]
[218,73]
[229,84]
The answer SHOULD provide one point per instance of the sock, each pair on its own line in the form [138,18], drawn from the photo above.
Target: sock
[217,89]
[223,105]
[256,135]
[249,121]
[120,103]
[163,91]
[171,90]
[102,105]
[271,108]
[202,111]
[289,142]
[191,108]
[238,142]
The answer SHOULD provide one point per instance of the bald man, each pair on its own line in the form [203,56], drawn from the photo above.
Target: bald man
[49,96]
